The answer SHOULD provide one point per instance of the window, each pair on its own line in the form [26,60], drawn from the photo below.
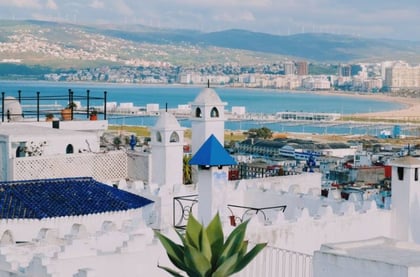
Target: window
[214,112]
[416,174]
[20,152]
[174,137]
[198,112]
[69,149]
[400,171]
[158,137]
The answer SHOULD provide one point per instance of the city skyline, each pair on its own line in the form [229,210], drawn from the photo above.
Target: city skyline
[384,19]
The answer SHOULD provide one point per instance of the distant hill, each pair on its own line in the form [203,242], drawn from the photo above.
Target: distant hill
[317,47]
[69,45]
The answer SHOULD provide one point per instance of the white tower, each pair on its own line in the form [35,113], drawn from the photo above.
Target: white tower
[406,199]
[167,167]
[207,118]
[212,161]
[167,141]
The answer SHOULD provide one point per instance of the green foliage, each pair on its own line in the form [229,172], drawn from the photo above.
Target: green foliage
[205,253]
[262,132]
[187,170]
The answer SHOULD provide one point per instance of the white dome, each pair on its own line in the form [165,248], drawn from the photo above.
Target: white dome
[167,121]
[12,105]
[207,96]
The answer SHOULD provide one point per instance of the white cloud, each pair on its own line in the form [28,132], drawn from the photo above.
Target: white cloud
[51,5]
[96,4]
[32,4]
[122,8]
[234,17]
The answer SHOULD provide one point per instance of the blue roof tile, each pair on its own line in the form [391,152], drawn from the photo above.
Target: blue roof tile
[63,197]
[212,153]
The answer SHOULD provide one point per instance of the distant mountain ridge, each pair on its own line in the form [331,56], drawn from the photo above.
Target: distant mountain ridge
[181,44]
[320,47]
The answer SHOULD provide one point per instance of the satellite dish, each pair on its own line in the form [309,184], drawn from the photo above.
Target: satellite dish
[12,109]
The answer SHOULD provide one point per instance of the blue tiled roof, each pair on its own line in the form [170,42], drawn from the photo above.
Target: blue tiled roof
[212,153]
[63,197]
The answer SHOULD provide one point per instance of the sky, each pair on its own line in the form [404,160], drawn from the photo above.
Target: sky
[366,18]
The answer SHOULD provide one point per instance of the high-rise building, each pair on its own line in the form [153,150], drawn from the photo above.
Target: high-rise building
[402,76]
[289,68]
[344,70]
[302,68]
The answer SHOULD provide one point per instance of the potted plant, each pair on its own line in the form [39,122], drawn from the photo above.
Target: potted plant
[66,113]
[93,115]
[204,251]
[49,117]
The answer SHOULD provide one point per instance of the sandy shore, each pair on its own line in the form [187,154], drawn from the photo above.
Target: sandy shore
[410,111]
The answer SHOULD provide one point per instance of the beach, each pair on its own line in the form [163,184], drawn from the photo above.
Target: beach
[410,111]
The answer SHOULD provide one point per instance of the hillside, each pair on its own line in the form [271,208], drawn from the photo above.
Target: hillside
[61,45]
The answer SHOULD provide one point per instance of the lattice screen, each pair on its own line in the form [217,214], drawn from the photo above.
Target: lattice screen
[101,166]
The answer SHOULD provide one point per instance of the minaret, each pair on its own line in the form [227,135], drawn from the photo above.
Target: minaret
[212,161]
[167,142]
[406,199]
[207,118]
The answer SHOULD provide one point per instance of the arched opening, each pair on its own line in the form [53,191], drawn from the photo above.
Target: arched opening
[20,152]
[69,149]
[198,112]
[7,238]
[214,112]
[174,137]
[158,137]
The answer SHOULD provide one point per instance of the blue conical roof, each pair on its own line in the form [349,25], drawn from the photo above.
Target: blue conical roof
[212,153]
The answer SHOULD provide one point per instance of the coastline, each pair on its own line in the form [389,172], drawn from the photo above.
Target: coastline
[409,112]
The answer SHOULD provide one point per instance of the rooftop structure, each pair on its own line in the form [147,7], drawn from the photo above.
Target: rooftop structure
[63,197]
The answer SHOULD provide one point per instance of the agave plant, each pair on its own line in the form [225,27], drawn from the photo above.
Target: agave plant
[205,253]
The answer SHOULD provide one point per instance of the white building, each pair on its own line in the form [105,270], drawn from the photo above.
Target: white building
[104,239]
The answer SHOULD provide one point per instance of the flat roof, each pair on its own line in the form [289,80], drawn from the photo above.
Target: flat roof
[21,129]
[379,249]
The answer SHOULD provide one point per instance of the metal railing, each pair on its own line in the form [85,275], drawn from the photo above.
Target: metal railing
[250,211]
[182,208]
[277,262]
[42,104]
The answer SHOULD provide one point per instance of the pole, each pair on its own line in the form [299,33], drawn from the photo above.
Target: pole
[87,104]
[37,106]
[105,105]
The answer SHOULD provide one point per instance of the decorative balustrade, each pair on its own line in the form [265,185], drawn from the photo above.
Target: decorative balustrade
[240,213]
[182,207]
[101,166]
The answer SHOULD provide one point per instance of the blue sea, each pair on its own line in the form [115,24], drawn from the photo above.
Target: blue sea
[255,100]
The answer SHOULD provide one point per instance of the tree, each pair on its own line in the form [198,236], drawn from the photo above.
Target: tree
[205,253]
[262,132]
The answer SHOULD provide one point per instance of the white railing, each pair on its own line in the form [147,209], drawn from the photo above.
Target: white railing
[101,166]
[276,262]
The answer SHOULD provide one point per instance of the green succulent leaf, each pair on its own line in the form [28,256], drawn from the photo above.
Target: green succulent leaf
[171,271]
[249,257]
[227,267]
[214,232]
[196,261]
[174,251]
[233,243]
[204,253]
[194,232]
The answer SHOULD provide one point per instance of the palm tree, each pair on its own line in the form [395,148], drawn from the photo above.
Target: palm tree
[205,253]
